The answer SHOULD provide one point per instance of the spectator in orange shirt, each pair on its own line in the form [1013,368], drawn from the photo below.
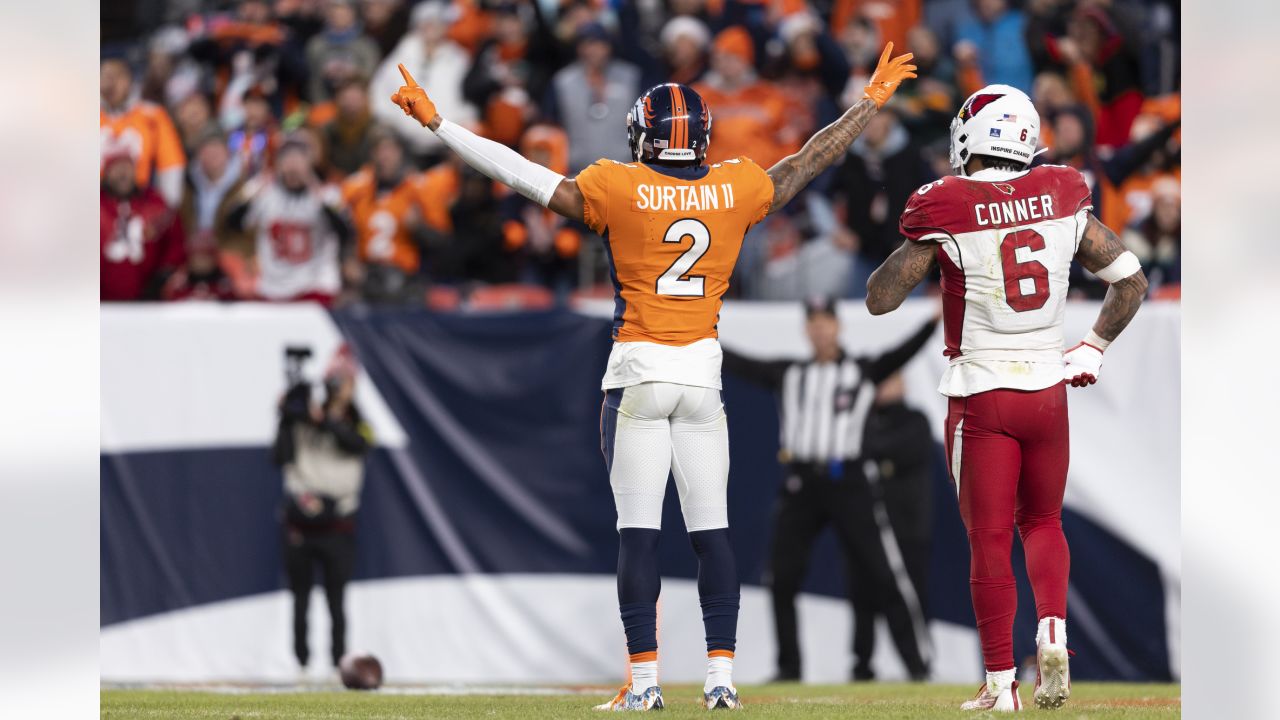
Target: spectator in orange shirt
[748,113]
[813,74]
[508,71]
[893,18]
[437,189]
[1163,164]
[546,244]
[384,208]
[258,43]
[143,129]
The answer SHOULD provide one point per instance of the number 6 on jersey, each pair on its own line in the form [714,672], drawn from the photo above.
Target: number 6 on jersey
[673,281]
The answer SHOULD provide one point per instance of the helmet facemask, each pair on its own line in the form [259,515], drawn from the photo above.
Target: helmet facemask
[957,152]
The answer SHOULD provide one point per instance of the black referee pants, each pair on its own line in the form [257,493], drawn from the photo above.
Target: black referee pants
[811,498]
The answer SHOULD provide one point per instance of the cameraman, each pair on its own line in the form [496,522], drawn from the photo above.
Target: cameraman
[321,448]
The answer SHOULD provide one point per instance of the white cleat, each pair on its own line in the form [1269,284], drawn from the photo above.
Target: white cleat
[626,700]
[1006,700]
[722,698]
[1053,681]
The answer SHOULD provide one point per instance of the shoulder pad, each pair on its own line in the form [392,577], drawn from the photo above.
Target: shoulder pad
[930,210]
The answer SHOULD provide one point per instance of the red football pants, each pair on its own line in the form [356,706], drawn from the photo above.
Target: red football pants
[1008,452]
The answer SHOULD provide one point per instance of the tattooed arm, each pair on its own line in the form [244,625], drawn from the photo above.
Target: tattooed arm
[1099,248]
[1103,254]
[893,281]
[794,172]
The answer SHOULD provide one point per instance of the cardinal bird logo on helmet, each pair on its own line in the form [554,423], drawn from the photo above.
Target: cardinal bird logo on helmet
[976,103]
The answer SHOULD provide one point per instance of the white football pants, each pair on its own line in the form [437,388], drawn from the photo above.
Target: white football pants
[654,429]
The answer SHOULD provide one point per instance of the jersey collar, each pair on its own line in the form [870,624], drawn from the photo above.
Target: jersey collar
[680,173]
[997,175]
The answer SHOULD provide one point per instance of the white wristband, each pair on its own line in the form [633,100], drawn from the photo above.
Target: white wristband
[1097,341]
[499,162]
[1120,268]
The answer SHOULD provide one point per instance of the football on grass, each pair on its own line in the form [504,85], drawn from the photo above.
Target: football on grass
[360,671]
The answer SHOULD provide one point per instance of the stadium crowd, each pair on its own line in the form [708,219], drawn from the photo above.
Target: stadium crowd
[249,149]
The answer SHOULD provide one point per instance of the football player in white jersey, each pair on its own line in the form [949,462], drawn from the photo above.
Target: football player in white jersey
[1003,236]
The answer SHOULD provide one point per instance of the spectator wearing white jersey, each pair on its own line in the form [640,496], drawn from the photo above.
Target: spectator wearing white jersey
[299,238]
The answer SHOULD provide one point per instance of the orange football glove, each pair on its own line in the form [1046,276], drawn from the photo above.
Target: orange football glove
[413,100]
[888,75]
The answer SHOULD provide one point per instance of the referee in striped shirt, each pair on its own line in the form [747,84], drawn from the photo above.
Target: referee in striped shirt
[824,402]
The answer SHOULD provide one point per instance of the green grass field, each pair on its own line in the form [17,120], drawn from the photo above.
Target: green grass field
[874,701]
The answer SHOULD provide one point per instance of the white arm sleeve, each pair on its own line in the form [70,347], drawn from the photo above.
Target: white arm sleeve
[501,163]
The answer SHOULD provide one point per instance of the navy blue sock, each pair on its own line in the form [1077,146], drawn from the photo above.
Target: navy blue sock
[638,586]
[717,587]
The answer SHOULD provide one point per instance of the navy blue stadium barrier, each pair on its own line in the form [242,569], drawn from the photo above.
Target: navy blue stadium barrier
[502,414]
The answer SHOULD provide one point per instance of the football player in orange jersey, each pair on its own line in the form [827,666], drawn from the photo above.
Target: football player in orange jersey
[672,227]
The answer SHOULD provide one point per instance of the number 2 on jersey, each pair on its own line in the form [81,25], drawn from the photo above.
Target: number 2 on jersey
[1015,272]
[673,281]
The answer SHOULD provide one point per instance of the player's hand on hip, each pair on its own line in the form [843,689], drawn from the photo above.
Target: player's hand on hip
[888,76]
[1084,364]
[413,100]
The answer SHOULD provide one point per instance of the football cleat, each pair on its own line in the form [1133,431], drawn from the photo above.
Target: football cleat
[722,698]
[1053,679]
[1006,700]
[625,700]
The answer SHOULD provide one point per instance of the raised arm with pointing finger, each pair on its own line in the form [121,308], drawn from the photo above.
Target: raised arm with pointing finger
[672,227]
[561,195]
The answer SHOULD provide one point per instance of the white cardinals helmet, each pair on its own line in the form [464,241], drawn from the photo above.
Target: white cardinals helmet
[998,121]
